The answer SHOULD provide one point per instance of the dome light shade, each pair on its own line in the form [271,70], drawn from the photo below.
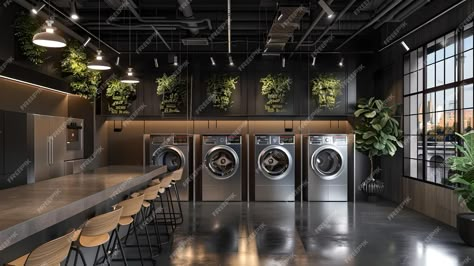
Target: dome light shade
[98,63]
[129,78]
[48,38]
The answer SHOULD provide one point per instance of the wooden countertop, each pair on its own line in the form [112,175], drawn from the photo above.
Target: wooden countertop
[26,210]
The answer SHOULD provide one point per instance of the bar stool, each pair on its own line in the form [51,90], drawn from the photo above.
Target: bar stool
[164,190]
[96,233]
[176,176]
[49,253]
[150,194]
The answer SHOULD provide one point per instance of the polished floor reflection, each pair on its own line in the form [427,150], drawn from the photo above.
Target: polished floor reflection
[312,234]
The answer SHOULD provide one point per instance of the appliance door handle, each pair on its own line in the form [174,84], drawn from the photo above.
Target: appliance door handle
[52,150]
[48,151]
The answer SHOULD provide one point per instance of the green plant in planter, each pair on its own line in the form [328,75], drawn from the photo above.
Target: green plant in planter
[121,96]
[325,90]
[220,88]
[463,168]
[377,132]
[84,81]
[173,90]
[25,27]
[275,88]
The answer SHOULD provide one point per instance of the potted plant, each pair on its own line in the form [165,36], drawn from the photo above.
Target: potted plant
[25,27]
[220,89]
[325,90]
[275,88]
[463,168]
[377,134]
[121,96]
[173,90]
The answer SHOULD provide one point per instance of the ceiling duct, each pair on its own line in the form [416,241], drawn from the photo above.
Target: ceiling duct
[283,27]
[185,8]
[195,41]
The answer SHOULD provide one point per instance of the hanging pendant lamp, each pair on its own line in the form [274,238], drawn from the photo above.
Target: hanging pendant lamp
[48,38]
[98,63]
[129,78]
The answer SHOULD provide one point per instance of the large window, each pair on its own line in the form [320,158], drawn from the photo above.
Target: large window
[438,101]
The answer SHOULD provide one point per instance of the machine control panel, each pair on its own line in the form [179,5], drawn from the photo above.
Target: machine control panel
[169,140]
[233,139]
[320,140]
[287,139]
[222,140]
[275,140]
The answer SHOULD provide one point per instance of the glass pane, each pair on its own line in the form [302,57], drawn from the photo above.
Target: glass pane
[430,53]
[413,104]
[430,102]
[413,146]
[468,97]
[406,84]
[406,64]
[420,103]
[450,70]
[450,49]
[450,120]
[430,76]
[413,82]
[440,73]
[413,61]
[450,99]
[406,105]
[440,126]
[406,150]
[430,126]
[413,168]
[406,124]
[413,125]
[420,124]
[439,100]
[406,167]
[467,120]
[467,37]
[420,58]
[467,63]
[420,80]
[440,49]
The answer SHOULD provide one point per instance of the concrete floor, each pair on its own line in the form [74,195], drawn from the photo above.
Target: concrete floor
[313,234]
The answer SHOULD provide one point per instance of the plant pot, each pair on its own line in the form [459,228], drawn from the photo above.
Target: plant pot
[465,226]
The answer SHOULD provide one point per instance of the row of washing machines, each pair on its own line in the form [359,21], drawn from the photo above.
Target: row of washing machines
[326,174]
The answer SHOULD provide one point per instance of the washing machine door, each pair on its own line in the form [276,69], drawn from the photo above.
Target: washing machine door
[327,162]
[275,162]
[222,162]
[169,156]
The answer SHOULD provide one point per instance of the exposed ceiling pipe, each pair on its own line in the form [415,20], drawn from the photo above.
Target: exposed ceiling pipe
[185,8]
[310,29]
[146,25]
[392,13]
[422,25]
[412,9]
[161,38]
[175,21]
[370,23]
[339,16]
[229,39]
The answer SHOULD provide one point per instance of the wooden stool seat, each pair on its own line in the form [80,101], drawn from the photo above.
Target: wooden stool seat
[125,220]
[94,241]
[19,261]
[146,204]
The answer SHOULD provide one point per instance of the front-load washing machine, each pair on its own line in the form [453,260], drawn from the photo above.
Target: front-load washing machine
[221,171]
[327,174]
[173,152]
[275,167]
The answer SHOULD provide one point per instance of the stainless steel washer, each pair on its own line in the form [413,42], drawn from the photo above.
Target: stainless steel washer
[222,171]
[327,172]
[172,151]
[275,170]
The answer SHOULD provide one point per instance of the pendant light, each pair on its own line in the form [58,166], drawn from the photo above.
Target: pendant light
[129,78]
[98,63]
[48,38]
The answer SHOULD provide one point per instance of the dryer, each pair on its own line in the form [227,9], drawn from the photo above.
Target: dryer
[327,173]
[275,167]
[221,171]
[173,152]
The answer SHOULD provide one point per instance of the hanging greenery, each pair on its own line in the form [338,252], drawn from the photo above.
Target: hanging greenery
[121,96]
[25,28]
[325,90]
[220,89]
[84,81]
[173,91]
[275,88]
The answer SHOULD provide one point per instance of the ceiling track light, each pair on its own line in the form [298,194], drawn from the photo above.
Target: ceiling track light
[87,42]
[265,50]
[212,61]
[231,62]
[283,62]
[341,63]
[74,15]
[36,9]
[117,61]
[156,62]
[98,63]
[175,60]
[129,78]
[326,8]
[405,46]
[48,38]
[280,16]
[314,60]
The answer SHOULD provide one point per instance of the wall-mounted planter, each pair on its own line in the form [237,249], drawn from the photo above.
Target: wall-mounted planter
[275,88]
[172,90]
[220,89]
[324,90]
[121,96]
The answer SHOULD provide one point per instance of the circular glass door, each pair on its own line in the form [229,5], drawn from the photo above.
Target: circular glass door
[170,157]
[274,162]
[327,163]
[222,162]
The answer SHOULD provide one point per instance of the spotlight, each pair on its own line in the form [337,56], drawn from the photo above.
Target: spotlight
[405,46]
[36,9]
[341,63]
[212,61]
[283,62]
[175,60]
[156,63]
[280,16]
[117,61]
[74,15]
[266,49]
[326,8]
[314,60]
[87,41]
[231,62]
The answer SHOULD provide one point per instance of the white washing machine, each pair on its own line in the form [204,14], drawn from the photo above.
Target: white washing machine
[327,174]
